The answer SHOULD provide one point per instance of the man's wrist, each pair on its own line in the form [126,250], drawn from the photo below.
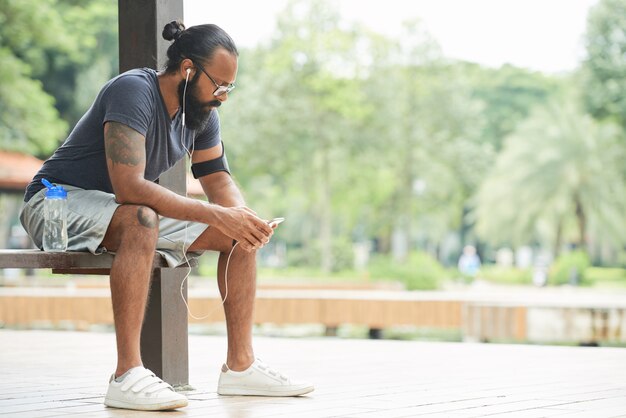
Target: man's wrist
[215,212]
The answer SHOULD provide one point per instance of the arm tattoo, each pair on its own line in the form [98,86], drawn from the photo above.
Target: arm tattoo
[124,145]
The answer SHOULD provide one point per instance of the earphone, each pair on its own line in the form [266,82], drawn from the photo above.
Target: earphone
[185,101]
[190,154]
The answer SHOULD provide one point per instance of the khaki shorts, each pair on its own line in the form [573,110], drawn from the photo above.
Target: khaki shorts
[88,217]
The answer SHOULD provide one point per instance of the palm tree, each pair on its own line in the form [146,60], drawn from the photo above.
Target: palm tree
[558,177]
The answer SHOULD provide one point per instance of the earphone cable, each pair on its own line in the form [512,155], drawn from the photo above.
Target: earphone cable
[186,259]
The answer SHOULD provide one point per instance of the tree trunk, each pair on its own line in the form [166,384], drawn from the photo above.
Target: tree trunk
[559,238]
[582,224]
[464,227]
[401,241]
[326,229]
[383,241]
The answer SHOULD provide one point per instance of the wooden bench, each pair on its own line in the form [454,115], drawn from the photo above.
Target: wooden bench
[164,336]
[164,345]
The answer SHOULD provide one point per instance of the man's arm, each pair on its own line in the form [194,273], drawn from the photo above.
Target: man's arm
[126,162]
[219,187]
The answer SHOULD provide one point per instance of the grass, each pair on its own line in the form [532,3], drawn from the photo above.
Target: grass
[607,277]
[506,275]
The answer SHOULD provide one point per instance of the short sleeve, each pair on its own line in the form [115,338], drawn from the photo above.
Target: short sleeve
[210,136]
[128,100]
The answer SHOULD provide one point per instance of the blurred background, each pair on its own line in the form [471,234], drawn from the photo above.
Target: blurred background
[453,147]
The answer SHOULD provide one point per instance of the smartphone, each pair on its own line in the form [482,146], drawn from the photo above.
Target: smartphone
[274,222]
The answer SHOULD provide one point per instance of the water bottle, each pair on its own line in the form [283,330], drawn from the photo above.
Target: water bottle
[55,213]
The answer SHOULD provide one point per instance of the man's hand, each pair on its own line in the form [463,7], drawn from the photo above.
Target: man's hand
[243,225]
[234,218]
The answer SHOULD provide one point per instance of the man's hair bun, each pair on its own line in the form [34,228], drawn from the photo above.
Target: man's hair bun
[173,30]
[197,43]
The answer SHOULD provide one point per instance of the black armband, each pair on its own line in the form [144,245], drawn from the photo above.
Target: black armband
[212,166]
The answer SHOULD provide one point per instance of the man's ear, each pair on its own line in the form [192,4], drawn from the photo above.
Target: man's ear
[187,68]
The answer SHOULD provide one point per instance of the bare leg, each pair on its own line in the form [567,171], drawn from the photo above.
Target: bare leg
[132,234]
[239,305]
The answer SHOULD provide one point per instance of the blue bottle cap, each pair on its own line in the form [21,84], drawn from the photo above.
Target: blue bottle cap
[54,191]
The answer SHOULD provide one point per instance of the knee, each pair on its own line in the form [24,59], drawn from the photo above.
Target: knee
[140,221]
[240,254]
[135,225]
[225,244]
[147,218]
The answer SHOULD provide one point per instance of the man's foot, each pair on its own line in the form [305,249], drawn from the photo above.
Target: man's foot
[142,390]
[259,380]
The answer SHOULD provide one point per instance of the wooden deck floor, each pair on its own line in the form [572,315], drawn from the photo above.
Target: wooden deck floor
[63,374]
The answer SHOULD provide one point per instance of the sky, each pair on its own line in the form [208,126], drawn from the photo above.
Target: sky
[541,35]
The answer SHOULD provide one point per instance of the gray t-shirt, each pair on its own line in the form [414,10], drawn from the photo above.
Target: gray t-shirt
[134,99]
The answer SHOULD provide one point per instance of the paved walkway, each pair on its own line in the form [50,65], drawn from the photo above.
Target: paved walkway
[63,374]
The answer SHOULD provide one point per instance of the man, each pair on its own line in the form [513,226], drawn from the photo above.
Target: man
[140,124]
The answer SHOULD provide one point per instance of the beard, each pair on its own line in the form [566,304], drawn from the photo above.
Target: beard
[197,112]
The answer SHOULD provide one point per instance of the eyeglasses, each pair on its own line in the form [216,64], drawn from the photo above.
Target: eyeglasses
[220,90]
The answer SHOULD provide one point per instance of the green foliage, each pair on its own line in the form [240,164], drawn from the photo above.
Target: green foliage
[558,179]
[605,67]
[410,333]
[568,266]
[310,256]
[419,272]
[606,276]
[316,133]
[509,94]
[76,77]
[31,29]
[301,102]
[28,121]
[55,54]
[506,275]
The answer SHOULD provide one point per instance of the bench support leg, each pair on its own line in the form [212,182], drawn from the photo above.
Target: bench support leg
[164,338]
[375,333]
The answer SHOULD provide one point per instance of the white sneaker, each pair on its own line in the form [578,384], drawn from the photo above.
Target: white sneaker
[142,390]
[259,380]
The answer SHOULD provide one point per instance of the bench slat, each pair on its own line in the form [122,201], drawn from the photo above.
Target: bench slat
[36,259]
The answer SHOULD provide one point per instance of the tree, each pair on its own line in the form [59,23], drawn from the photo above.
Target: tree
[75,77]
[298,111]
[353,136]
[29,121]
[604,69]
[557,180]
[55,54]
[432,128]
[508,94]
